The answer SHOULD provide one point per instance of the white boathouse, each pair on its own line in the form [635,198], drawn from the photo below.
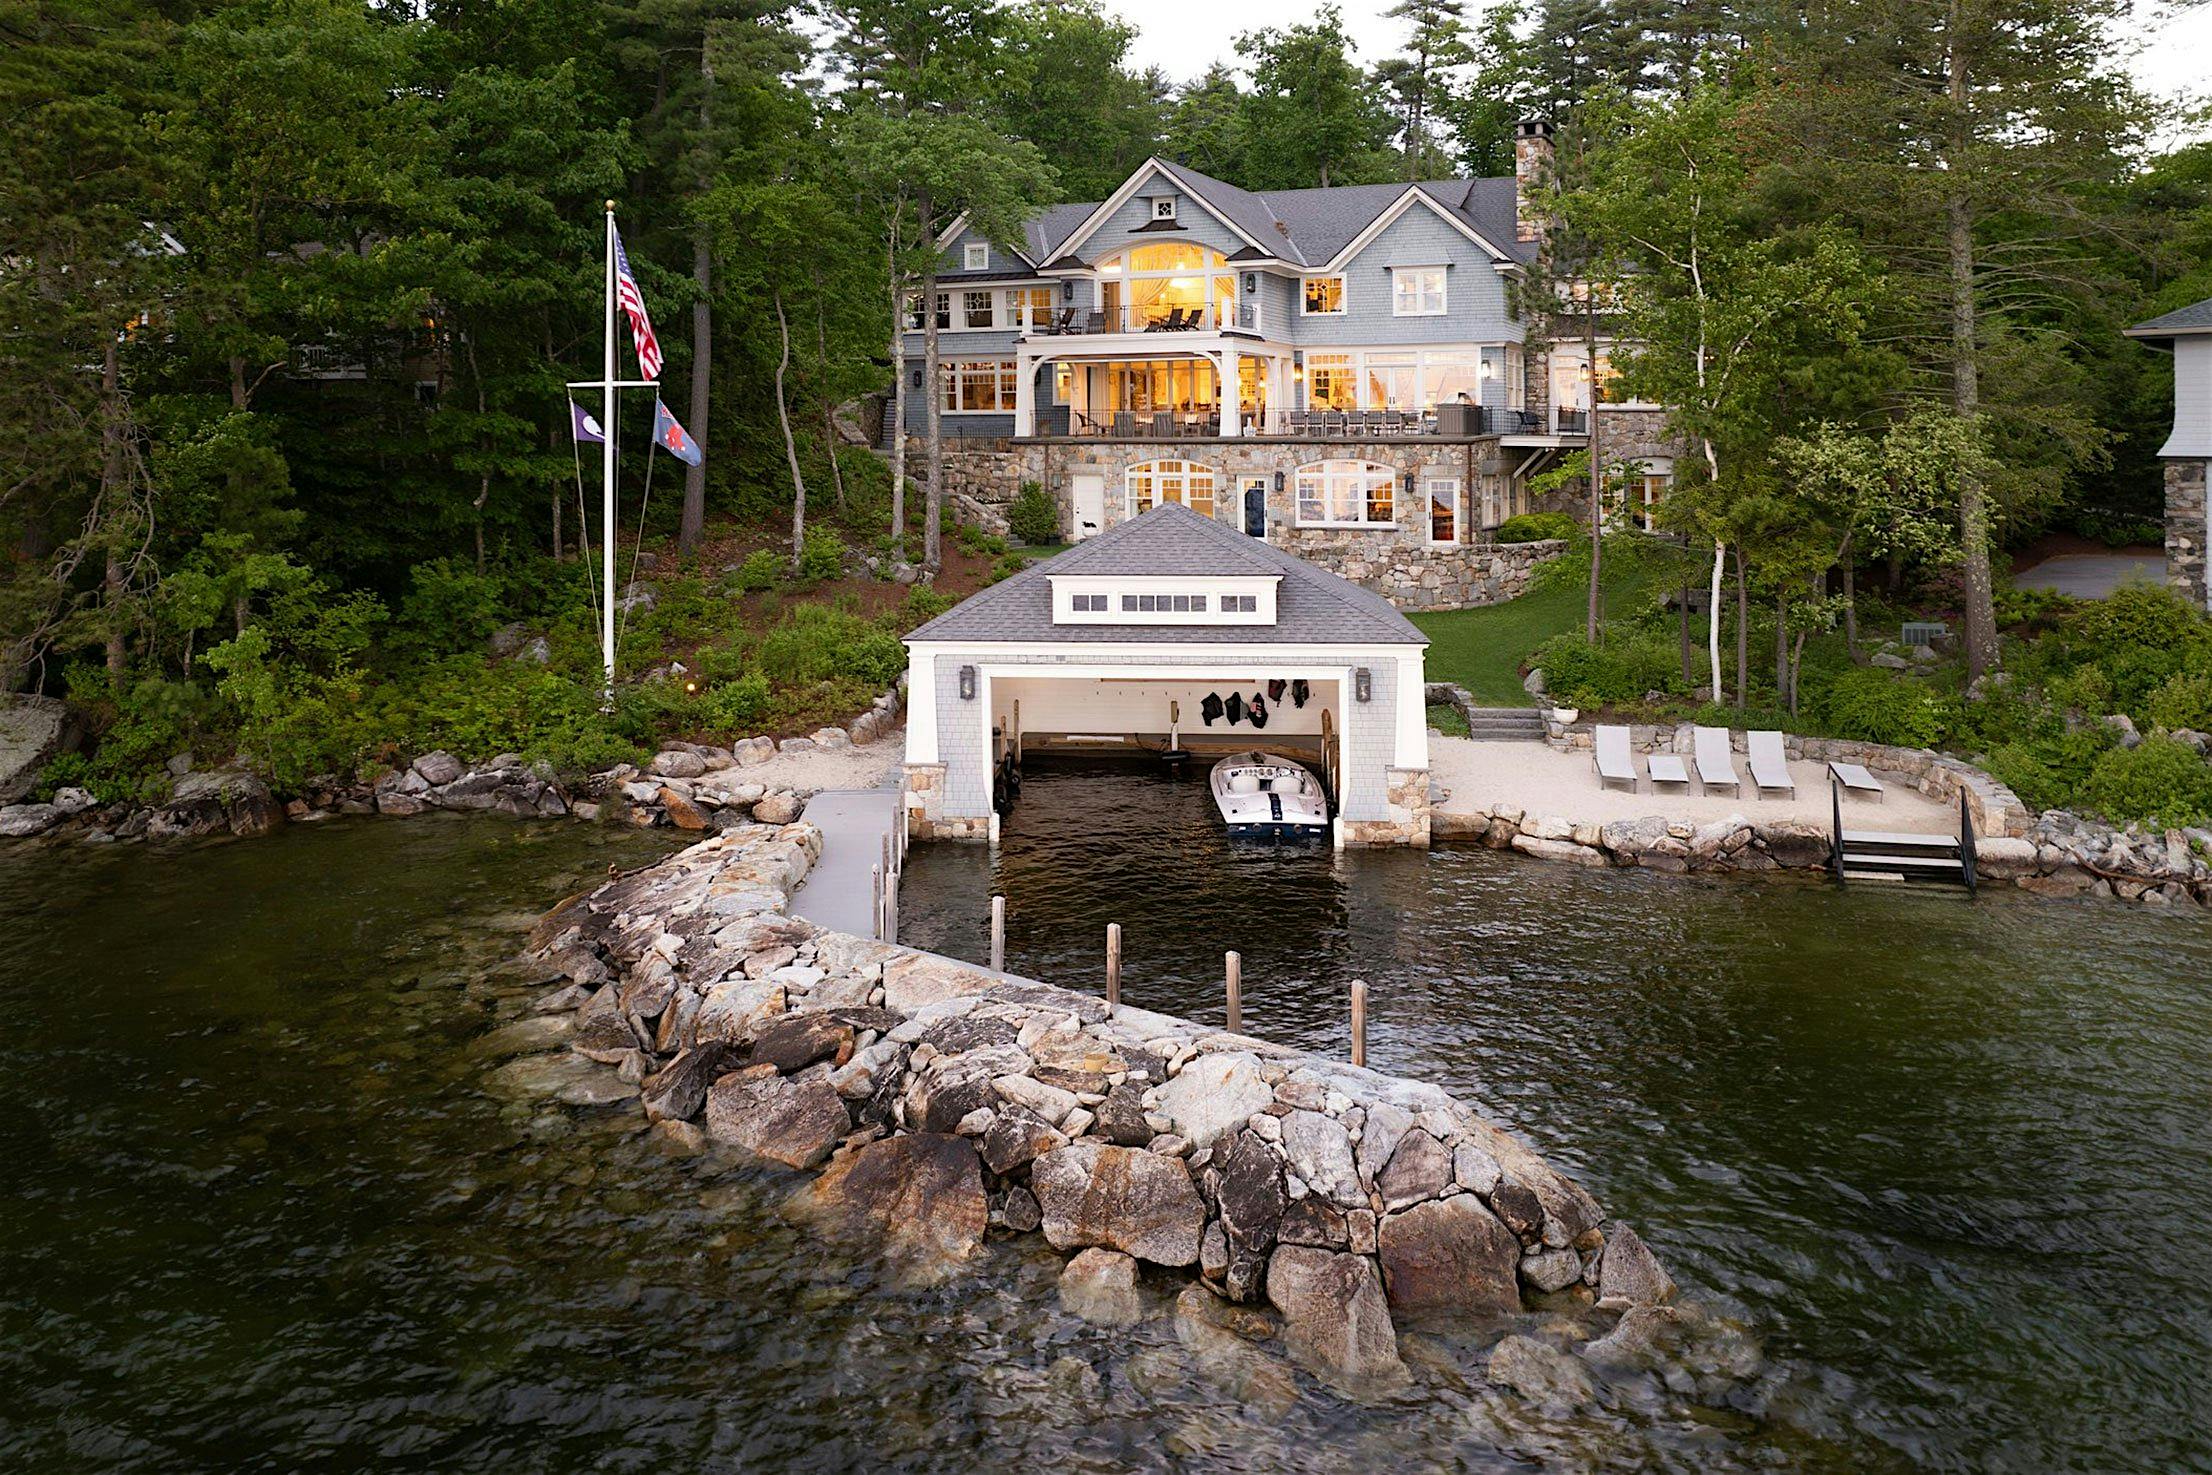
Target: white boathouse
[1170,629]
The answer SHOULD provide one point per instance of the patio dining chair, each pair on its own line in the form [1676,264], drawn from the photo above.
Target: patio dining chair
[1163,424]
[1095,323]
[1301,422]
[1125,424]
[1335,422]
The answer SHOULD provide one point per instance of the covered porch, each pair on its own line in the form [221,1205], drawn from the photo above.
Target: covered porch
[1203,385]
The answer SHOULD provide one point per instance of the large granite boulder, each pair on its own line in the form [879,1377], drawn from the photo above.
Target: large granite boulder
[32,730]
[1629,1274]
[793,1122]
[1251,1197]
[226,801]
[1335,1318]
[1213,1095]
[1420,1169]
[1450,1255]
[1541,1374]
[1123,1198]
[918,1201]
[1319,1150]
[679,1088]
[793,1042]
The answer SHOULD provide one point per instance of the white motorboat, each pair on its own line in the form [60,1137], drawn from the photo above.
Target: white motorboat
[1267,795]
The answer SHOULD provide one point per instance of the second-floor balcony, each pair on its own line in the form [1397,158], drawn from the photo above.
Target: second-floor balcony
[1147,317]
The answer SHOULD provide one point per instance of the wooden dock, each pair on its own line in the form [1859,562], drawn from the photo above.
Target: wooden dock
[863,843]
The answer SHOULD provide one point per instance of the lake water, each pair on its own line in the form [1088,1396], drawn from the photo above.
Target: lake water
[1947,1159]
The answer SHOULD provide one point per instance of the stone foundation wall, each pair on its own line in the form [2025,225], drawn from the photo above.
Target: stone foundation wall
[2186,529]
[1410,813]
[1420,576]
[932,1105]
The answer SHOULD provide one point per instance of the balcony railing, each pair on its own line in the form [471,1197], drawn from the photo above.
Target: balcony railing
[1449,421]
[1205,317]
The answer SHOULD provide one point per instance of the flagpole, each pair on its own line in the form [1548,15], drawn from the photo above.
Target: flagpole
[606,462]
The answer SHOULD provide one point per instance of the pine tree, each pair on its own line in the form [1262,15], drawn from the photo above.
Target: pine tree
[1420,79]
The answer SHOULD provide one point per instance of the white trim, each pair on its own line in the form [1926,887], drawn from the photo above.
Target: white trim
[969,253]
[1325,468]
[1428,509]
[1343,295]
[1150,168]
[921,707]
[1385,220]
[1443,306]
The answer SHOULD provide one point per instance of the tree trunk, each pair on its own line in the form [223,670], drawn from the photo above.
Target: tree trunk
[1743,635]
[790,446]
[1597,469]
[933,402]
[1974,518]
[692,526]
[111,496]
[898,392]
[1781,641]
[1850,601]
[1682,628]
[829,409]
[1712,619]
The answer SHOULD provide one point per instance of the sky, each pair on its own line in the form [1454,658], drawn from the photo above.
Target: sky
[1184,37]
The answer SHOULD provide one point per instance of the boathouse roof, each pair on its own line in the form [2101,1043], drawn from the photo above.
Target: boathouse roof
[1312,606]
[2195,318]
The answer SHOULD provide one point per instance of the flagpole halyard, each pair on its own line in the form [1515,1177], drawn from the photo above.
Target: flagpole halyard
[606,465]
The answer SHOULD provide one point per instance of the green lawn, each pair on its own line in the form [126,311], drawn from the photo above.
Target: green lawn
[1482,649]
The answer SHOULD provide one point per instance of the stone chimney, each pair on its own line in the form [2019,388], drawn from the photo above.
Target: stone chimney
[1532,163]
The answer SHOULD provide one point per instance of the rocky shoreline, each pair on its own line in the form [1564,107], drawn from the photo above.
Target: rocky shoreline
[937,1105]
[687,786]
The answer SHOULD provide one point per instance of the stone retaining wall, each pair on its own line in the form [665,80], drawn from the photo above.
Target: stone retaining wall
[2052,854]
[1995,808]
[2188,521]
[941,1103]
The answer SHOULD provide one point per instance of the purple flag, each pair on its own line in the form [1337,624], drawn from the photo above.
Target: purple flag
[583,425]
[671,435]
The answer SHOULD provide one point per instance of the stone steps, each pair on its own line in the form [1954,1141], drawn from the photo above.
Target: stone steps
[1505,724]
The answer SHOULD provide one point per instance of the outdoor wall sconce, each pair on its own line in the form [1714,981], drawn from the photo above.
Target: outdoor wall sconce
[1278,481]
[1363,684]
[967,683]
[1489,369]
[1405,479]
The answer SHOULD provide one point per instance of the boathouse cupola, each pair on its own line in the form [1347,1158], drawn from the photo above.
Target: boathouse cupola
[1163,599]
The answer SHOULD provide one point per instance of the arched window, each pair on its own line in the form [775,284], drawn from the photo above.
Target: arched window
[1346,492]
[1168,282]
[1187,482]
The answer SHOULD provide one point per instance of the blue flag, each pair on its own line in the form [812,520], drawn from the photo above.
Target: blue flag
[585,428]
[671,436]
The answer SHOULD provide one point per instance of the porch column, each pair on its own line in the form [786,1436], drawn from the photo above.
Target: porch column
[1025,395]
[1228,362]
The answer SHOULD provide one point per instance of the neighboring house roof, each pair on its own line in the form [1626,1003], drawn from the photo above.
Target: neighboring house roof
[1312,606]
[1308,227]
[2193,319]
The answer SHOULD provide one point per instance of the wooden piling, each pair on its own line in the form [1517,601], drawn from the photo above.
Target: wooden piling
[1232,968]
[1113,968]
[998,934]
[1359,1021]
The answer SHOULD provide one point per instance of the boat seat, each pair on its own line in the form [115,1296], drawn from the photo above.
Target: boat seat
[1244,783]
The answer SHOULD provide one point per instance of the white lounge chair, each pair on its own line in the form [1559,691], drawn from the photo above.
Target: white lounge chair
[1770,767]
[1610,755]
[1716,769]
[1857,782]
[1665,768]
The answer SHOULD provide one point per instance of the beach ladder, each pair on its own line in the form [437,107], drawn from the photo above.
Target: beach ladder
[1877,855]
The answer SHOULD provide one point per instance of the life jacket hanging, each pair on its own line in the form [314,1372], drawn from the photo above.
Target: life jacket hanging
[1299,691]
[1210,708]
[1236,708]
[1258,711]
[1275,690]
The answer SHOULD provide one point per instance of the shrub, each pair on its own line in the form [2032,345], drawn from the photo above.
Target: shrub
[817,643]
[922,605]
[69,771]
[759,572]
[1535,527]
[1579,674]
[821,553]
[1033,518]
[449,606]
[2136,617]
[2184,701]
[2159,780]
[734,705]
[2083,689]
[2047,773]
[1872,706]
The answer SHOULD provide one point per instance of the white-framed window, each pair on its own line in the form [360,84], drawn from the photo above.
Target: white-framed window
[975,256]
[1417,291]
[1153,482]
[1653,482]
[1346,494]
[1029,307]
[914,311]
[1321,296]
[1240,604]
[1090,604]
[979,386]
[1160,283]
[1444,495]
[1163,207]
[1331,383]
[977,309]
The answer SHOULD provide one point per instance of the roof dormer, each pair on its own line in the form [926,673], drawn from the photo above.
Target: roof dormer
[1163,599]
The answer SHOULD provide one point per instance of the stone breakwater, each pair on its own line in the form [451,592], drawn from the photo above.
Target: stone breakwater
[940,1104]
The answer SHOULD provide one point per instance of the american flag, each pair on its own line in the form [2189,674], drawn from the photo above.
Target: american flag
[632,301]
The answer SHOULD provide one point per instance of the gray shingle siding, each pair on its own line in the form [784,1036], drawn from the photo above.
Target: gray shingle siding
[1370,747]
[1477,310]
[1120,229]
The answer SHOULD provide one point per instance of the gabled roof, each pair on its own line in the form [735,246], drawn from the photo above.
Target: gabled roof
[2191,320]
[1305,227]
[1312,606]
